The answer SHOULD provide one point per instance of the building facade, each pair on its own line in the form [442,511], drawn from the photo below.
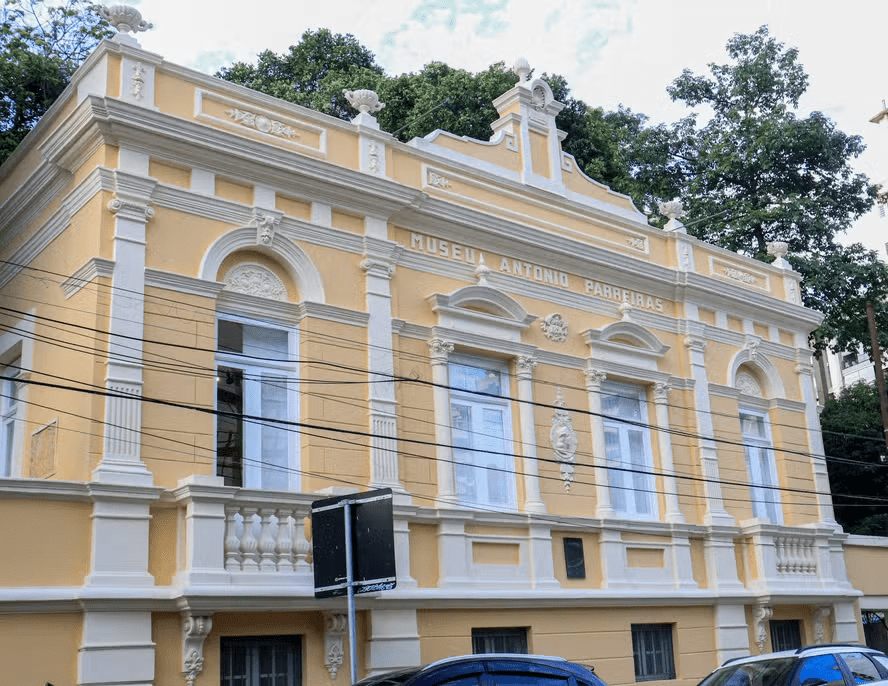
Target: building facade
[219,307]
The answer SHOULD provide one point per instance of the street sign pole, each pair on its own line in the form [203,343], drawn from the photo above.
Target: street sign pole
[350,580]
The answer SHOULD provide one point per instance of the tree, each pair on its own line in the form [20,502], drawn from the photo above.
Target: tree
[40,48]
[854,443]
[756,172]
[313,73]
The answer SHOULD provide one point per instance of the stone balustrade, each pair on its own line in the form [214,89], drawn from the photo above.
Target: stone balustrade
[266,539]
[796,554]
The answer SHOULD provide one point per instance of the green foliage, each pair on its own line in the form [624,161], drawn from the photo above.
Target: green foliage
[41,46]
[839,283]
[853,441]
[313,73]
[756,172]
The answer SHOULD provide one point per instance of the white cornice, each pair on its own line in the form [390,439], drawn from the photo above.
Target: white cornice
[93,268]
[180,283]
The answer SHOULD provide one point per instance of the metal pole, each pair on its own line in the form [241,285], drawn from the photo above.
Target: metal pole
[877,365]
[350,580]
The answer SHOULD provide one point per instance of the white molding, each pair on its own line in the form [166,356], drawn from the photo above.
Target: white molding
[94,268]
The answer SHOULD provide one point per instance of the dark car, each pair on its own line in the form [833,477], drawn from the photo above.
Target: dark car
[829,665]
[491,669]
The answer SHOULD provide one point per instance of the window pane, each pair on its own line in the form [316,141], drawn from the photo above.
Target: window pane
[786,634]
[265,343]
[274,453]
[465,377]
[861,668]
[528,680]
[821,667]
[505,640]
[652,652]
[230,336]
[261,661]
[229,427]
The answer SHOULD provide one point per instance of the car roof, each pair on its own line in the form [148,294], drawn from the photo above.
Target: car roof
[402,676]
[806,650]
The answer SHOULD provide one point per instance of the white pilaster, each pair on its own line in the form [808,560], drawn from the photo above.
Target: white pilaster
[846,627]
[121,461]
[805,370]
[524,366]
[452,562]
[542,567]
[715,508]
[594,379]
[439,351]
[203,557]
[116,649]
[394,641]
[731,632]
[661,404]
[380,257]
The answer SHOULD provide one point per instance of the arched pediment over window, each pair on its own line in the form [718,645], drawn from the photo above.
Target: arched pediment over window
[290,256]
[481,309]
[753,374]
[625,343]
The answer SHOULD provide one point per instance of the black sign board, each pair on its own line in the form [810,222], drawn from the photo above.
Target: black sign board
[372,543]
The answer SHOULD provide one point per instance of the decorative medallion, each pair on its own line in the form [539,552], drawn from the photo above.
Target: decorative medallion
[637,243]
[554,327]
[563,439]
[438,181]
[747,385]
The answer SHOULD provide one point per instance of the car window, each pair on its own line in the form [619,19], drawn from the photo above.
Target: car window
[861,668]
[471,680]
[882,660]
[820,669]
[512,679]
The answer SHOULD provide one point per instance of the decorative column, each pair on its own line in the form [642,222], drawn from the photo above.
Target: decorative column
[380,256]
[715,508]
[594,379]
[439,351]
[661,404]
[805,370]
[524,366]
[194,632]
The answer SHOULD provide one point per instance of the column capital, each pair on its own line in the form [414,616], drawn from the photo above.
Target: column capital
[661,393]
[524,365]
[594,378]
[440,350]
[695,344]
[131,209]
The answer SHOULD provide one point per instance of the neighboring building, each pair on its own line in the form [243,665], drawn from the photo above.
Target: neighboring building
[220,307]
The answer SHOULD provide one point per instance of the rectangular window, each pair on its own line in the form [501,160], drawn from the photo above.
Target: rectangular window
[652,652]
[261,661]
[256,390]
[628,450]
[509,640]
[786,634]
[9,406]
[574,559]
[481,433]
[760,466]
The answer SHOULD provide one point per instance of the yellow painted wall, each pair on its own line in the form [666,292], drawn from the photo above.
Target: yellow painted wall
[164,530]
[53,549]
[598,636]
[39,648]
[866,568]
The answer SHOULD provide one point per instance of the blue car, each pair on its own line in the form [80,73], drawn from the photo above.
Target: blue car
[491,669]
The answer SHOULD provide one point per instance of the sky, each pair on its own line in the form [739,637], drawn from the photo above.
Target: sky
[611,52]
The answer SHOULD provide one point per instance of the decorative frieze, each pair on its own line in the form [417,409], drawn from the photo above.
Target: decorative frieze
[261,123]
[137,81]
[739,275]
[438,181]
[821,617]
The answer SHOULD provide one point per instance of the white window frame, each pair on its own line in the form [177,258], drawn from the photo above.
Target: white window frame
[761,467]
[637,491]
[10,415]
[251,455]
[478,403]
